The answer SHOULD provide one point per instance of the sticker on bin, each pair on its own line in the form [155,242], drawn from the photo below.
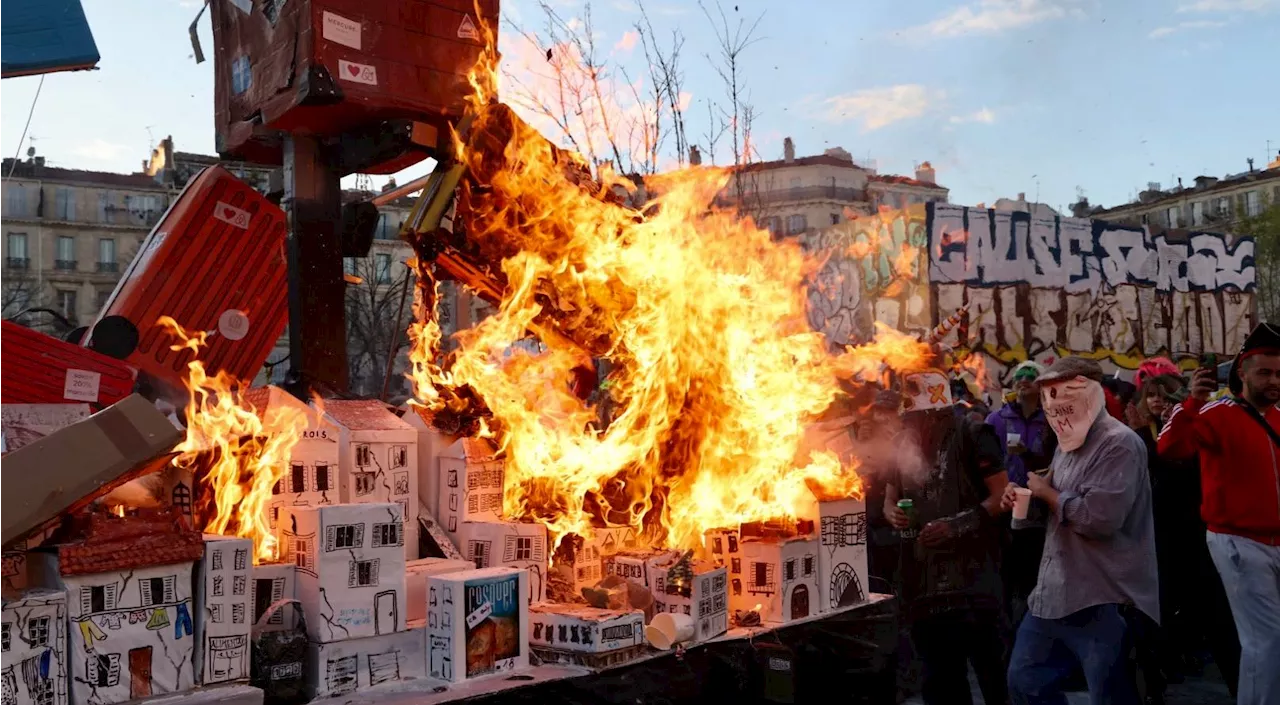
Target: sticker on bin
[81,385]
[357,73]
[233,324]
[467,29]
[228,213]
[478,616]
[342,30]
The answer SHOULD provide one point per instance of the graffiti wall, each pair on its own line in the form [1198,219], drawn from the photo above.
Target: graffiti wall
[1035,287]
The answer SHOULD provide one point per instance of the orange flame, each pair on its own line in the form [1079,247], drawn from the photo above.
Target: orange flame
[240,454]
[716,373]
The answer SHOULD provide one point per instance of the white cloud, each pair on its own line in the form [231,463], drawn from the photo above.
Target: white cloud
[991,16]
[878,107]
[99,150]
[1230,6]
[1159,32]
[985,115]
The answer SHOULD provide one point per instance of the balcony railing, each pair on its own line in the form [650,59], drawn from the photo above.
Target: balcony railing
[753,195]
[108,267]
[64,265]
[17,263]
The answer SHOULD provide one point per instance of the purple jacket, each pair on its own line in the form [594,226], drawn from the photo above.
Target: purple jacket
[1036,436]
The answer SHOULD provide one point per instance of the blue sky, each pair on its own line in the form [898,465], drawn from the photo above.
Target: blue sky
[1002,96]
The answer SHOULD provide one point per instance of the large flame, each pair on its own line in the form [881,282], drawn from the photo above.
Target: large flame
[238,454]
[715,373]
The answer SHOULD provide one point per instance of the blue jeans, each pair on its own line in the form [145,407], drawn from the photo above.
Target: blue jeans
[1251,575]
[1048,651]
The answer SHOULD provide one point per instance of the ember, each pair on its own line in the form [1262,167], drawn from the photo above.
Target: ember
[236,454]
[715,372]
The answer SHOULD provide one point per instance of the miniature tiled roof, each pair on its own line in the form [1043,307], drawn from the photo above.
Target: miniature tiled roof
[364,415]
[105,542]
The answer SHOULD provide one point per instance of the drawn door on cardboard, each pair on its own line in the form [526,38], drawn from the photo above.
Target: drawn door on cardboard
[140,672]
[800,602]
[384,612]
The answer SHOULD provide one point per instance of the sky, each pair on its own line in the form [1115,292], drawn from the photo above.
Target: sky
[1047,97]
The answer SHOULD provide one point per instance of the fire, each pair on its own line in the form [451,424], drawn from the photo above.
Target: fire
[236,454]
[715,372]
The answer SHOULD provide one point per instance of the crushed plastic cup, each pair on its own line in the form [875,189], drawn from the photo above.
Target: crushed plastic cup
[1021,502]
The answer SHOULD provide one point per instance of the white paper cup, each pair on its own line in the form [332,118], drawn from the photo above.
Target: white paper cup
[1021,502]
[668,629]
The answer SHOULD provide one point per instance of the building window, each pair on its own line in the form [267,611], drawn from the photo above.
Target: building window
[302,554]
[384,269]
[107,255]
[362,573]
[322,478]
[365,483]
[241,560]
[1252,204]
[344,536]
[1224,206]
[761,573]
[38,631]
[15,200]
[297,478]
[835,218]
[385,229]
[480,553]
[17,258]
[103,670]
[524,548]
[65,204]
[735,566]
[1197,213]
[349,265]
[796,224]
[388,534]
[156,591]
[67,303]
[717,545]
[789,570]
[1172,215]
[808,566]
[733,543]
[66,253]
[97,598]
[4,643]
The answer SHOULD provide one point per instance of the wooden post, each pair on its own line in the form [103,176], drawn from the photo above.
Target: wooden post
[317,314]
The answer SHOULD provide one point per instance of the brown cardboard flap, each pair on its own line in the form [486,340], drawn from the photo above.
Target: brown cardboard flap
[69,468]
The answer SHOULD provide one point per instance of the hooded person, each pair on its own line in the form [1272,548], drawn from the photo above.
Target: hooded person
[1237,439]
[1099,573]
[948,572]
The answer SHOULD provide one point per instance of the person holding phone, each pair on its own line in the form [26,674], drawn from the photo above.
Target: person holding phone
[1237,439]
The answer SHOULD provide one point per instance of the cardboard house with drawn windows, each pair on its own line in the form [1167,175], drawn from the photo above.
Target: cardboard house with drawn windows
[351,570]
[512,544]
[269,584]
[378,455]
[700,589]
[470,485]
[477,623]
[841,523]
[130,613]
[432,445]
[781,577]
[34,653]
[724,549]
[223,617]
[586,558]
[313,474]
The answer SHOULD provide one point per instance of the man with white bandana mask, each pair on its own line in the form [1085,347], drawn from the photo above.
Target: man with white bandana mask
[1099,567]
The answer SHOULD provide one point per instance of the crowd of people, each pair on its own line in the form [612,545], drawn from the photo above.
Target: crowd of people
[1088,534]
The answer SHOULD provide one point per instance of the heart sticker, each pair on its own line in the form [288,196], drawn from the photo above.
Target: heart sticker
[353,69]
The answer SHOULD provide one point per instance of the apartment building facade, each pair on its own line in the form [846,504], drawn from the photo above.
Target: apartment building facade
[796,195]
[1210,203]
[68,235]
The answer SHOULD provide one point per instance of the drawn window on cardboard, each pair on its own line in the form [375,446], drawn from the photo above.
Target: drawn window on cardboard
[341,675]
[522,548]
[266,592]
[362,573]
[830,531]
[97,598]
[181,498]
[808,566]
[762,577]
[215,613]
[217,586]
[278,488]
[302,555]
[717,545]
[789,570]
[41,688]
[5,643]
[402,483]
[242,559]
[389,534]
[478,552]
[399,456]
[103,670]
[323,479]
[735,565]
[366,482]
[384,667]
[853,529]
[343,536]
[155,592]
[733,543]
[275,517]
[38,631]
[237,613]
[238,584]
[297,478]
[217,559]
[364,456]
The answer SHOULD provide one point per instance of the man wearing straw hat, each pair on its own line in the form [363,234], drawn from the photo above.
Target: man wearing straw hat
[1098,576]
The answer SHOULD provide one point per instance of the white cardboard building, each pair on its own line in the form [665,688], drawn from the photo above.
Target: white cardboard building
[343,667]
[842,555]
[508,543]
[351,570]
[781,575]
[35,649]
[477,623]
[223,593]
[313,476]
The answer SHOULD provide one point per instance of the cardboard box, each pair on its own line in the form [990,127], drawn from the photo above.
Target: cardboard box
[223,615]
[324,67]
[378,455]
[588,557]
[470,484]
[703,593]
[780,575]
[35,648]
[214,262]
[415,579]
[351,565]
[477,623]
[343,667]
[584,629]
[273,582]
[508,543]
[431,445]
[23,424]
[39,369]
[71,467]
[635,565]
[842,558]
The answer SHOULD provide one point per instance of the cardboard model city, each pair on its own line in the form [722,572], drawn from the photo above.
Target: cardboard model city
[842,554]
[35,648]
[314,476]
[130,610]
[223,615]
[477,623]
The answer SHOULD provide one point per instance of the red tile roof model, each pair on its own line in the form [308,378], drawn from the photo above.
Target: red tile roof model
[105,542]
[363,415]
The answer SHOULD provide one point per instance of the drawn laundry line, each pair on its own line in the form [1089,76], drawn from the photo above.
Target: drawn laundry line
[91,632]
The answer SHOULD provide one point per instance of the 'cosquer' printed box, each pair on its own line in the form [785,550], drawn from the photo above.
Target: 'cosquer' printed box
[477,623]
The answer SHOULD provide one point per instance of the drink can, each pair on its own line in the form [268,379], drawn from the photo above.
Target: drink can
[908,507]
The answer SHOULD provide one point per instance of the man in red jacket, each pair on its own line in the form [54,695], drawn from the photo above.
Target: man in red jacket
[1238,440]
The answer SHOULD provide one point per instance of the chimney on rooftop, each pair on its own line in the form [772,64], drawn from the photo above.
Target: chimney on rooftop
[788,150]
[390,185]
[925,173]
[38,161]
[1022,196]
[695,156]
